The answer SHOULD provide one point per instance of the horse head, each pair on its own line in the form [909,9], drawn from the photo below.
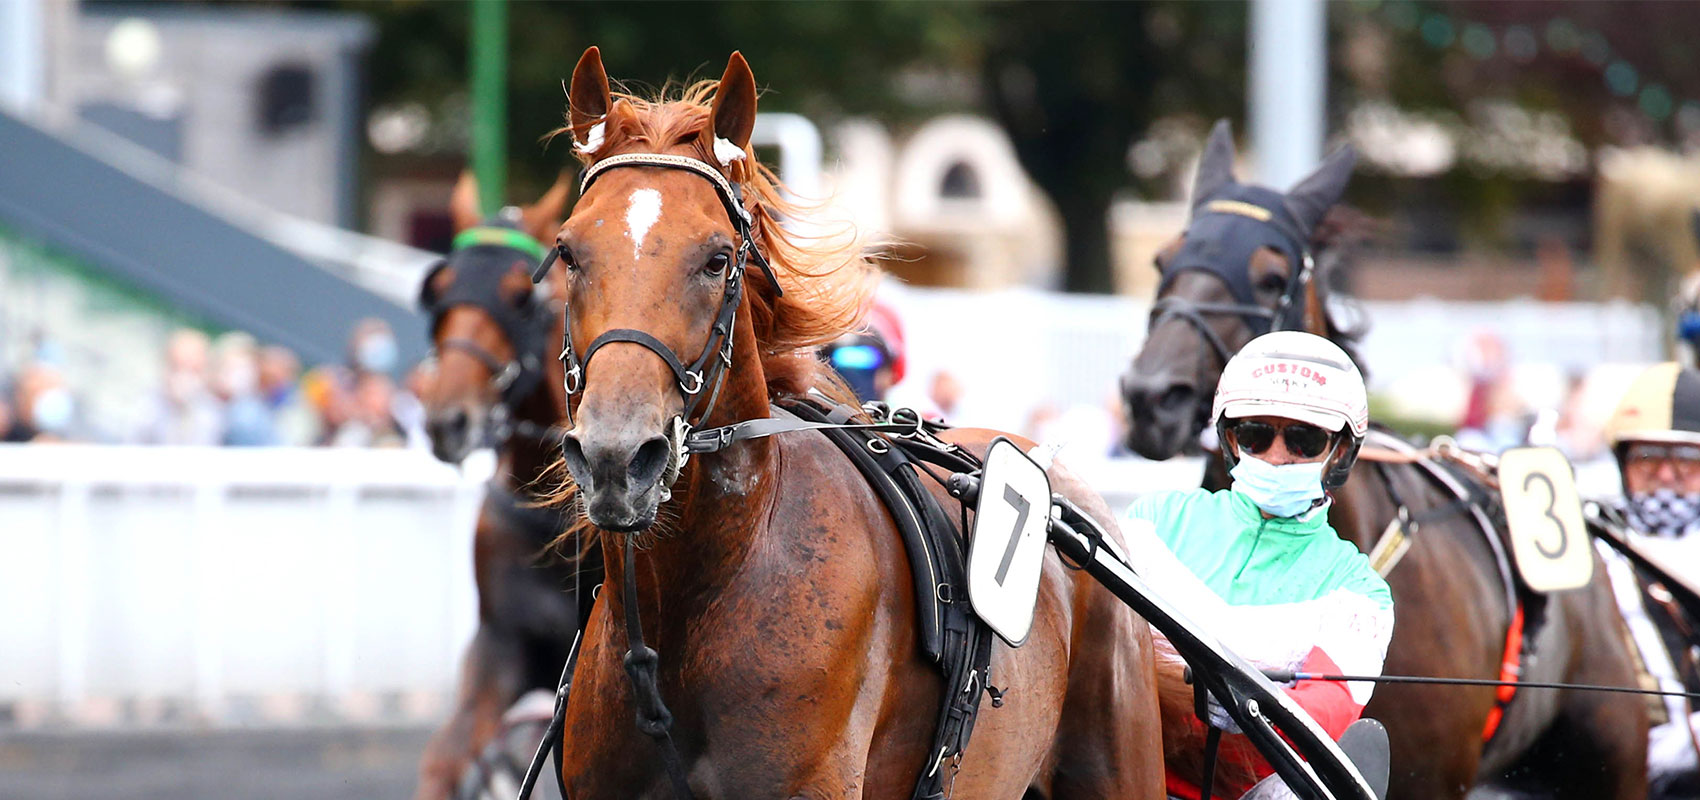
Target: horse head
[491,328]
[1241,268]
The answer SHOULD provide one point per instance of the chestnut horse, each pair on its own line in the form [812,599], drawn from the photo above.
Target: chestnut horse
[491,390]
[769,576]
[1450,602]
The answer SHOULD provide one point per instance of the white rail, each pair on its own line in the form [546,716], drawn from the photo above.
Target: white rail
[220,580]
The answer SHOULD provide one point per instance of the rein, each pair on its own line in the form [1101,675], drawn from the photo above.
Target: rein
[707,369]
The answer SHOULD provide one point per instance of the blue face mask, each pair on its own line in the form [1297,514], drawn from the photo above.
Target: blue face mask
[1284,491]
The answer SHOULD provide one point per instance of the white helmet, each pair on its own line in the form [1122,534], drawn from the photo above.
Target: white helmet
[1296,375]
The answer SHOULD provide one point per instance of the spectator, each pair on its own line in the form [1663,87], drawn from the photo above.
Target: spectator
[185,412]
[247,420]
[327,390]
[295,422]
[372,348]
[370,422]
[45,402]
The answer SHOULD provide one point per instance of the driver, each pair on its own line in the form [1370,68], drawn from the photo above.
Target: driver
[1257,564]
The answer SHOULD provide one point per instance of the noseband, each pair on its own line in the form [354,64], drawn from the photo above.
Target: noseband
[708,369]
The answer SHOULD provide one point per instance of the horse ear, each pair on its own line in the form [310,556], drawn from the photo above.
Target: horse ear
[735,103]
[544,216]
[589,99]
[1310,199]
[1216,166]
[428,292]
[463,203]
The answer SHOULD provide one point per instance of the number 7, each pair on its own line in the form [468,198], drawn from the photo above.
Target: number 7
[1022,507]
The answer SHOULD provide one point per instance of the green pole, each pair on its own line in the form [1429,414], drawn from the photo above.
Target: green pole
[490,102]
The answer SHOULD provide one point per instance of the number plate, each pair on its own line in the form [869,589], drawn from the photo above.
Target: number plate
[1008,549]
[1544,513]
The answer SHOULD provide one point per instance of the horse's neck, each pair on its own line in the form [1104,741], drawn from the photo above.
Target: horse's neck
[1361,506]
[719,511]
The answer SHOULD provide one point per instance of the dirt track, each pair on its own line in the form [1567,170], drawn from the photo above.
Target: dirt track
[178,764]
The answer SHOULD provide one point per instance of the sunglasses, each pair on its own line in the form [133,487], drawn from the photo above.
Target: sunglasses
[856,356]
[1302,440]
[1683,458]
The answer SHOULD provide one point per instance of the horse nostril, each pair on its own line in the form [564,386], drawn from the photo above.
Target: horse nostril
[572,452]
[647,464]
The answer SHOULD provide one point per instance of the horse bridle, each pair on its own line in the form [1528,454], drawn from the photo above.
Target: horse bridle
[527,328]
[1288,313]
[708,369]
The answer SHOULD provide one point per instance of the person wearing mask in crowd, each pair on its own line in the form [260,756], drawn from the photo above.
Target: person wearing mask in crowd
[185,412]
[236,372]
[372,348]
[1258,564]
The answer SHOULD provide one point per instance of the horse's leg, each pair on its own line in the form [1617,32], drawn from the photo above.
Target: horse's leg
[1598,744]
[492,678]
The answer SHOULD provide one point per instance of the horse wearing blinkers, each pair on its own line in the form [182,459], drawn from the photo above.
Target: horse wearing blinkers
[1245,264]
[497,386]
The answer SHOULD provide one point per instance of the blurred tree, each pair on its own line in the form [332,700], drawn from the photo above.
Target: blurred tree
[1073,82]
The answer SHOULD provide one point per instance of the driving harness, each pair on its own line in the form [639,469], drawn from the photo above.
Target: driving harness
[891,451]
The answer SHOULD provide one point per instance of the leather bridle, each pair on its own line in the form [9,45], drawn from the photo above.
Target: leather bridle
[1288,313]
[481,256]
[708,369]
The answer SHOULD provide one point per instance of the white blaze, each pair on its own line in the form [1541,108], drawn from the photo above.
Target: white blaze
[643,210]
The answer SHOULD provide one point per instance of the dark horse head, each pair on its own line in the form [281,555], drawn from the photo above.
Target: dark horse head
[491,328]
[1243,267]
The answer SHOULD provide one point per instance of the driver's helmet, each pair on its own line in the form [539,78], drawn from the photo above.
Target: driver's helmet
[1659,419]
[862,355]
[1662,405]
[1300,376]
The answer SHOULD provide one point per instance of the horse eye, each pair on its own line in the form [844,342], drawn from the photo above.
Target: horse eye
[717,263]
[566,258]
[1273,282]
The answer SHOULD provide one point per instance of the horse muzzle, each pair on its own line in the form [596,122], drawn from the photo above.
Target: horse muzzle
[455,432]
[620,476]
[1162,413]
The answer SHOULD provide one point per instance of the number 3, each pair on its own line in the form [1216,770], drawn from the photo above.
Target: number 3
[1552,498]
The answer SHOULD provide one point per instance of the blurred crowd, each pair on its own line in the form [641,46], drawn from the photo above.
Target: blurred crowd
[230,390]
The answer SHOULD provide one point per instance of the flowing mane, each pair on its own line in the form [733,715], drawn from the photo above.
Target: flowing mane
[828,282]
